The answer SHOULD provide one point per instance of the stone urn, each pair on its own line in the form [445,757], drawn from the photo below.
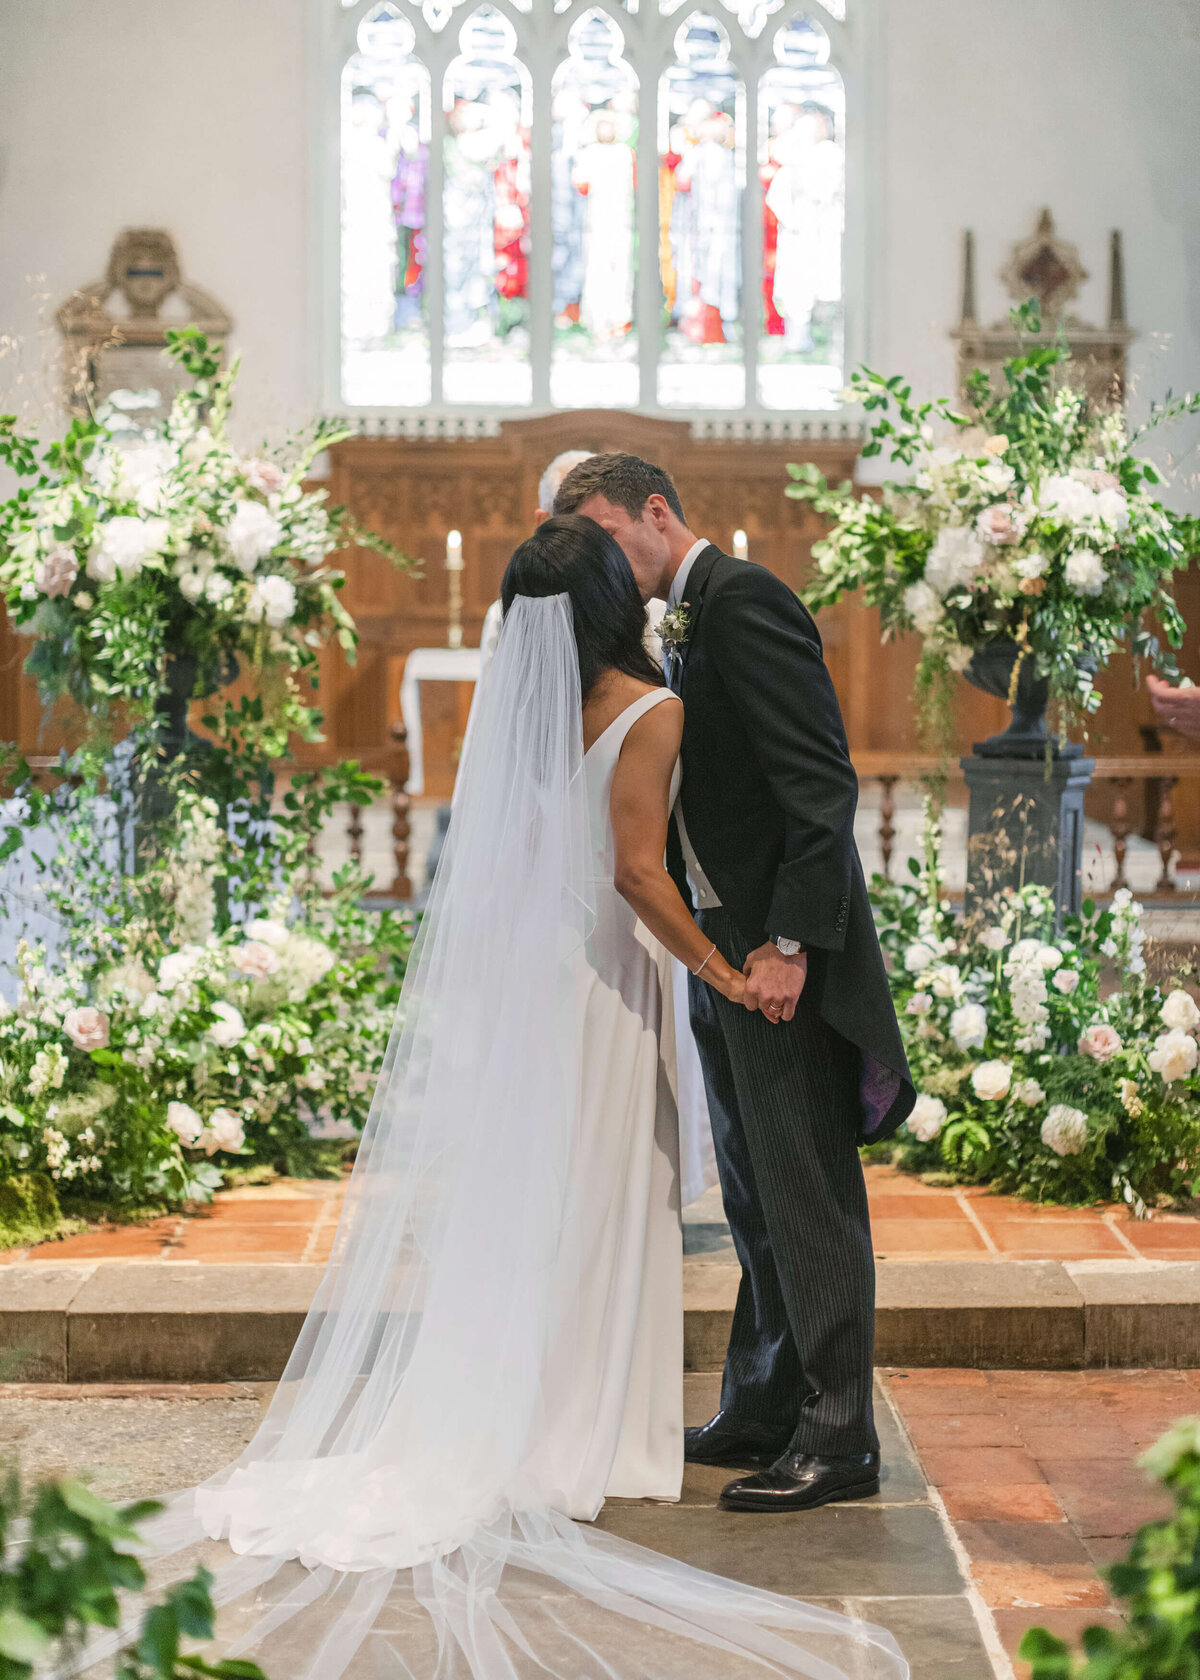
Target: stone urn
[991,669]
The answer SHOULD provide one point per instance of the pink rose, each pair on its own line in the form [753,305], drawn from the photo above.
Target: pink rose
[264,476]
[1000,523]
[255,960]
[57,571]
[87,1028]
[1100,1041]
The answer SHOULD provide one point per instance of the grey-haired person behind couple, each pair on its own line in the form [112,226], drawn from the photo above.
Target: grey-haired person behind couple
[762,846]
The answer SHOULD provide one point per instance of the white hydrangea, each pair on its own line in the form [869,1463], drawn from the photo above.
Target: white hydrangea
[954,559]
[178,966]
[305,961]
[272,599]
[1084,571]
[252,532]
[1065,1129]
[123,545]
[1062,497]
[927,1118]
[1179,1011]
[924,606]
[968,1026]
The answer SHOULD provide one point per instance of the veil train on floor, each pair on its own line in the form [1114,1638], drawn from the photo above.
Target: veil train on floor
[392,1514]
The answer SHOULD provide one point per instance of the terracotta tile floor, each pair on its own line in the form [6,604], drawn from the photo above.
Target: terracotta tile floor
[294,1220]
[1038,1474]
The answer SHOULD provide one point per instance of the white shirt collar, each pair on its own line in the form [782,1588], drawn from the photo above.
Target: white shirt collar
[679,581]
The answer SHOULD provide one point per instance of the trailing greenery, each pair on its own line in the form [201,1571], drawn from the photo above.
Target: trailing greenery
[1046,1061]
[1026,519]
[1158,1586]
[65,1575]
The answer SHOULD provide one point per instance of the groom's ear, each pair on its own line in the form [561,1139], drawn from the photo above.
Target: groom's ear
[540,517]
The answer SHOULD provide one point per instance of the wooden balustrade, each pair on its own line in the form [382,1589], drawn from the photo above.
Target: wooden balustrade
[1158,772]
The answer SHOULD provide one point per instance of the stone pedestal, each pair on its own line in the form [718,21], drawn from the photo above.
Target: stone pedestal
[1026,826]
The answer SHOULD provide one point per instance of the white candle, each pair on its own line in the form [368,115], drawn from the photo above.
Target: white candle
[741,547]
[454,554]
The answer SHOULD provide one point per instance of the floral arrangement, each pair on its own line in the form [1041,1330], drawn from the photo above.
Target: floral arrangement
[167,1039]
[1046,1060]
[1028,519]
[129,546]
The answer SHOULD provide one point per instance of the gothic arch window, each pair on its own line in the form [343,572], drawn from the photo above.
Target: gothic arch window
[595,203]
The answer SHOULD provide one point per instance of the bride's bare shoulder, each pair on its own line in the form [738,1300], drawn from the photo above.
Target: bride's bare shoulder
[613,694]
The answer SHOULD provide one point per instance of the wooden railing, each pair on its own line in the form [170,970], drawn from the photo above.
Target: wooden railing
[1159,774]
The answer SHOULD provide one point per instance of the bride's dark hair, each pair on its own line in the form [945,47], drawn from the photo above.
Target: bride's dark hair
[571,555]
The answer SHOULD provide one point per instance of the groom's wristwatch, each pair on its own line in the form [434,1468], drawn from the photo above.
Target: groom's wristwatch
[789,947]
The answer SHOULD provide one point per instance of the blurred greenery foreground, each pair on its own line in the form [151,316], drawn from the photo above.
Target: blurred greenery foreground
[194,1001]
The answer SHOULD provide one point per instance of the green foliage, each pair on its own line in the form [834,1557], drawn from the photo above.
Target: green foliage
[66,1577]
[1158,1586]
[29,1210]
[1026,519]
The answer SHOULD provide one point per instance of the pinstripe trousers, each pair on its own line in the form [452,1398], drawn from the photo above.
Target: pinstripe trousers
[783,1100]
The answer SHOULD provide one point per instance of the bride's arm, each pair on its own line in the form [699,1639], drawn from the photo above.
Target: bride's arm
[641,809]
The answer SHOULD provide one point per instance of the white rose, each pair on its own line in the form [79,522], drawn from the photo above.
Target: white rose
[918,957]
[968,1026]
[268,932]
[954,558]
[184,1122]
[1050,957]
[192,583]
[1066,500]
[923,605]
[927,1118]
[224,1131]
[1085,572]
[993,939]
[124,545]
[1066,980]
[1031,565]
[1113,509]
[1174,1055]
[273,598]
[1065,1129]
[1029,1092]
[228,1027]
[57,571]
[255,960]
[251,534]
[87,1028]
[1099,1041]
[1179,1012]
[920,1003]
[176,966]
[991,1080]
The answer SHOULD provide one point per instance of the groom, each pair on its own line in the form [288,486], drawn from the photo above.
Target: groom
[763,843]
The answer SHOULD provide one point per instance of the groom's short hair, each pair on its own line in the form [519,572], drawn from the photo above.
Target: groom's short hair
[624,480]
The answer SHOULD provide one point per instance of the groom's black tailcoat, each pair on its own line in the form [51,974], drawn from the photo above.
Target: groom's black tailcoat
[768,797]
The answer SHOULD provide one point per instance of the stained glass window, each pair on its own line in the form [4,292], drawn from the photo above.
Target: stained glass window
[593,175]
[701,163]
[485,210]
[801,154]
[586,203]
[385,159]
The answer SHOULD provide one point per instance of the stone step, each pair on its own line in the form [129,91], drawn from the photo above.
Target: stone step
[178,1321]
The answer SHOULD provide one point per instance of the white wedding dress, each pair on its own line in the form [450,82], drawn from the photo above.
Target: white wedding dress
[497,1341]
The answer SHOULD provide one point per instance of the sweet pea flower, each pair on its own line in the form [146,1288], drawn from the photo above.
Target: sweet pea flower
[1066,980]
[920,1003]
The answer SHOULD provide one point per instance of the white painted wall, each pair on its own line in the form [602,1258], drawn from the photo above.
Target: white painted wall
[193,115]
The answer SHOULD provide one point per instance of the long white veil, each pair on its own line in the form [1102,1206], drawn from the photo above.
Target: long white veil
[392,1515]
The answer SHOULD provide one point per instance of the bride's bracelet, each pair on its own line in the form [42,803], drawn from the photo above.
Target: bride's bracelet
[696,971]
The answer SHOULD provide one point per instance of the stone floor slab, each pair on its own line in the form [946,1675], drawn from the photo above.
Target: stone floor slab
[34,1302]
[939,1636]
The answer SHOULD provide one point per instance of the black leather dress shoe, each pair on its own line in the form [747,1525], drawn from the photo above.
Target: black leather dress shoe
[737,1443]
[802,1481]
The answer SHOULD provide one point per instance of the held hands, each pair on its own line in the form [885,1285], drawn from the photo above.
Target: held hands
[774,982]
[1178,708]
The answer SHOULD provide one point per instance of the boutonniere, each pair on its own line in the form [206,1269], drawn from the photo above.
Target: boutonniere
[674,628]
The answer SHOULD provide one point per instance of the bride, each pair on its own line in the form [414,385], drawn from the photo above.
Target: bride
[496,1346]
